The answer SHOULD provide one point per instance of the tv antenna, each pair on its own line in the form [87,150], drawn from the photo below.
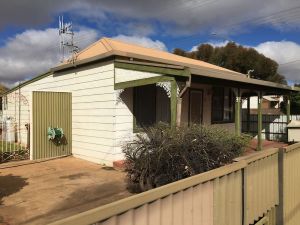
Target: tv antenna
[66,38]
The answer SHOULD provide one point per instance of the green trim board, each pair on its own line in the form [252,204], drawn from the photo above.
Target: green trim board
[153,69]
[173,104]
[242,85]
[142,82]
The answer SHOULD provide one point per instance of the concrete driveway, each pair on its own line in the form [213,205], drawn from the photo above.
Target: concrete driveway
[47,191]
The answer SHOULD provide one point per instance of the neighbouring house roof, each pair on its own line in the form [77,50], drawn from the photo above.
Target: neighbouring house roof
[272,98]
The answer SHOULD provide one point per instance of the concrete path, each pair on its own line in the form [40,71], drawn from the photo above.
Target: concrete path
[47,191]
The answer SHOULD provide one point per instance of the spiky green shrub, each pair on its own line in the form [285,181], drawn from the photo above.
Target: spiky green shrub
[163,155]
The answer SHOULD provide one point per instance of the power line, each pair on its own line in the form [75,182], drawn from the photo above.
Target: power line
[262,19]
[289,62]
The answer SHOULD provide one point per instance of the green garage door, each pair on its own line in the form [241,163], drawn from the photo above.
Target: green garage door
[51,110]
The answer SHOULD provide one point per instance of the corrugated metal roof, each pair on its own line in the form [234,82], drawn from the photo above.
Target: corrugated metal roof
[108,46]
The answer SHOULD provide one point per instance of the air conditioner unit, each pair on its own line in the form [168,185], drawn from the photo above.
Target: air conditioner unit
[293,129]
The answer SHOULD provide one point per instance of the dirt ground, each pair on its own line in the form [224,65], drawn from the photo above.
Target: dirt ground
[265,145]
[47,191]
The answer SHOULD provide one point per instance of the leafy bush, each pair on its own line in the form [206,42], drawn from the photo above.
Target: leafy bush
[163,155]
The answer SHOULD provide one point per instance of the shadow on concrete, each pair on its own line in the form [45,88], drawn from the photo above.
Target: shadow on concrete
[82,200]
[74,176]
[10,184]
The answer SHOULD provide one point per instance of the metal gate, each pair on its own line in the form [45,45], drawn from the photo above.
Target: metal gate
[51,110]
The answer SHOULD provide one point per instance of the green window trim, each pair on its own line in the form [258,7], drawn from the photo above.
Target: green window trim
[142,82]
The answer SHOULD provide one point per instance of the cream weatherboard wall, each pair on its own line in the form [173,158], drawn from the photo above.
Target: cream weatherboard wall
[124,75]
[93,109]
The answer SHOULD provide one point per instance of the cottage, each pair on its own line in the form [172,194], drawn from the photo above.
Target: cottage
[112,89]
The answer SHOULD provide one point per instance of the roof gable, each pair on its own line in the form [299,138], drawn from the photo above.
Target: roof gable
[108,46]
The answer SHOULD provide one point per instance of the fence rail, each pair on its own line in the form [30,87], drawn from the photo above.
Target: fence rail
[244,192]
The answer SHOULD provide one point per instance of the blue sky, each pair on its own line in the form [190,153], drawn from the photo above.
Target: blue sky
[29,42]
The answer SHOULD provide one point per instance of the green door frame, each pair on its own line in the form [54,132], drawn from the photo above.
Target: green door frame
[237,114]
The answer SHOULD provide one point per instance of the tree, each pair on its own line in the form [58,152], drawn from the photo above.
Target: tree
[3,89]
[238,58]
[295,103]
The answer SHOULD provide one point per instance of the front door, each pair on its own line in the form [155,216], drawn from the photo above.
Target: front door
[196,106]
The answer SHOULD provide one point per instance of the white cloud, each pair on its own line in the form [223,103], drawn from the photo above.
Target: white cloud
[142,41]
[34,51]
[212,43]
[176,16]
[286,53]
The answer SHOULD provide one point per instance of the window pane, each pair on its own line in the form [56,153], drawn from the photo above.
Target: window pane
[217,104]
[227,104]
[145,105]
[222,105]
[163,111]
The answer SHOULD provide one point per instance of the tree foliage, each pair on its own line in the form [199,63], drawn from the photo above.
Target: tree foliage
[295,103]
[3,89]
[238,58]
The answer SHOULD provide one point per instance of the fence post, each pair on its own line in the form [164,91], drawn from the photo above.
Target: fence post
[279,213]
[248,114]
[244,194]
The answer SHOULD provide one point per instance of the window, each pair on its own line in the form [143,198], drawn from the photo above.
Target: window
[222,105]
[150,105]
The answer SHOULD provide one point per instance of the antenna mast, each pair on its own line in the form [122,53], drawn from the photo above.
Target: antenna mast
[66,39]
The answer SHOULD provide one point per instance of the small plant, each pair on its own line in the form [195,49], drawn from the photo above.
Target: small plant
[56,135]
[163,155]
